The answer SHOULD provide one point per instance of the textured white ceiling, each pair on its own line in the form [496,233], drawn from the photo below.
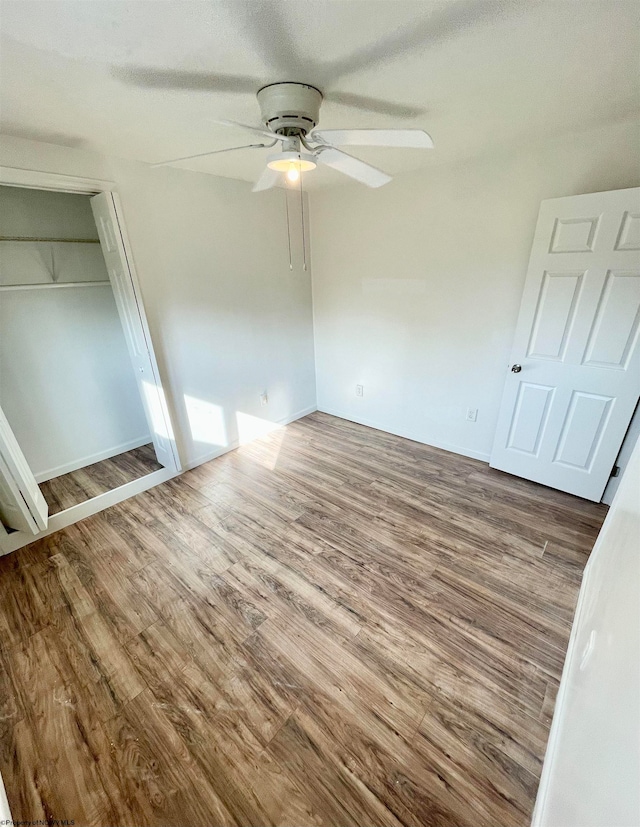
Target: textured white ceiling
[479,76]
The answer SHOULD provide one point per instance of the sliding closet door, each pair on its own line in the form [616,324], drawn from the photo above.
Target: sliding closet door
[22,506]
[119,267]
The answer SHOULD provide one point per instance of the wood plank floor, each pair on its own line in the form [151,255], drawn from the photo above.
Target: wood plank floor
[79,486]
[329,626]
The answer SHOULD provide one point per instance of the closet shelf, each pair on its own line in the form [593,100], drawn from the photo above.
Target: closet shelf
[56,240]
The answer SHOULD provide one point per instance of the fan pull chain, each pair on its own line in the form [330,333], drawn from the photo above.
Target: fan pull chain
[304,245]
[286,205]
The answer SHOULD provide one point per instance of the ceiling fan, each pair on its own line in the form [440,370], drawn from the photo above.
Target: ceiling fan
[290,113]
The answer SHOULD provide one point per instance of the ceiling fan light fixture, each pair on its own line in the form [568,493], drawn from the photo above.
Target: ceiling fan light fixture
[293,163]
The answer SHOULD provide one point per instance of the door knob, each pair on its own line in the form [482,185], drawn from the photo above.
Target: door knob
[516,368]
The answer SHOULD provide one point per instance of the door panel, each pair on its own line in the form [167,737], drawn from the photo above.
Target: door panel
[629,236]
[22,506]
[552,322]
[134,327]
[530,417]
[583,425]
[565,413]
[574,235]
[616,324]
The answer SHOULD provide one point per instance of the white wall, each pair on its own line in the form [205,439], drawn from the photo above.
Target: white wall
[67,386]
[31,213]
[228,319]
[417,285]
[591,773]
[66,381]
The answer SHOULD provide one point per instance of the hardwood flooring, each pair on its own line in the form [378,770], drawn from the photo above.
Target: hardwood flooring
[79,486]
[328,626]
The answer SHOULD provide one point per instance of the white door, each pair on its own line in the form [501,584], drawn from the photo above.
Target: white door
[574,375]
[120,269]
[22,505]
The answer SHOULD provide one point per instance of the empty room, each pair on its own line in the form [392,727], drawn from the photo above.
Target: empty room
[319,384]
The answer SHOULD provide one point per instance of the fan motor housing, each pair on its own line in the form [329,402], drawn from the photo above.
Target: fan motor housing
[290,108]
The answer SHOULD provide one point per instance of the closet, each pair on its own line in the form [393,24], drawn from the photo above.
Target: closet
[73,403]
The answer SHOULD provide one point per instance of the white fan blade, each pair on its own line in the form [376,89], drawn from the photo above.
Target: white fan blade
[265,133]
[204,154]
[268,179]
[416,138]
[353,167]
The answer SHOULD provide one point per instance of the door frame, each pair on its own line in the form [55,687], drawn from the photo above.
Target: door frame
[56,182]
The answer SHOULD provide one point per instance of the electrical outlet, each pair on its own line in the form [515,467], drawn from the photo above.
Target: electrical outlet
[359,390]
[264,399]
[472,414]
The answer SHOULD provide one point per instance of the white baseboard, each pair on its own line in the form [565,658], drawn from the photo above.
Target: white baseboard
[82,462]
[218,452]
[19,539]
[445,446]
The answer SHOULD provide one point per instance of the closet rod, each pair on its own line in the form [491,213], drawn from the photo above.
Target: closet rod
[6,288]
[57,240]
